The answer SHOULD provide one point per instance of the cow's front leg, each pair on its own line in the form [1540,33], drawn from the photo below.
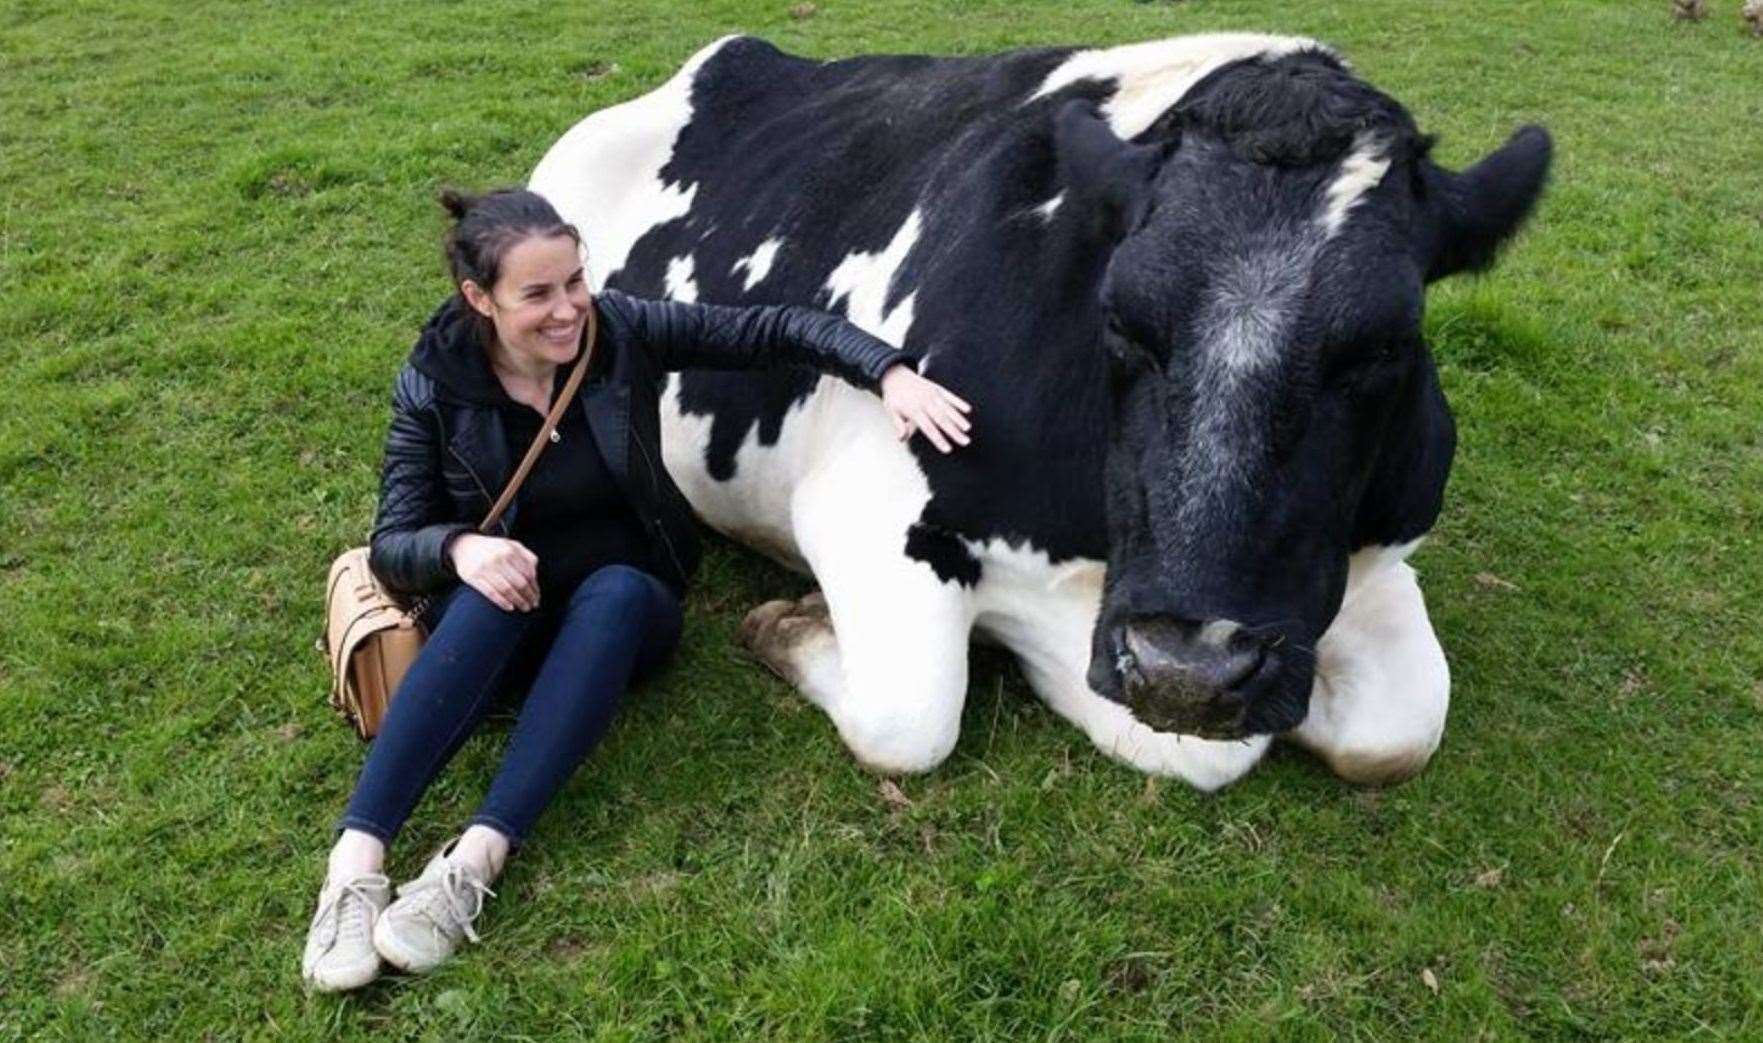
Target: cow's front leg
[887,663]
[1377,711]
[882,649]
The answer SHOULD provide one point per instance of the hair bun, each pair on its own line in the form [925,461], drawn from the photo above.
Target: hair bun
[457,203]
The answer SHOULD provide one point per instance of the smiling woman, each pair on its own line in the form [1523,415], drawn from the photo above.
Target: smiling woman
[575,592]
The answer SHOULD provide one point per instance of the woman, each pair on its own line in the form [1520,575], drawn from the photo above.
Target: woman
[578,591]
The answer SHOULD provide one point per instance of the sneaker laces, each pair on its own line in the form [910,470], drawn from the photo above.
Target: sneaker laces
[330,911]
[455,902]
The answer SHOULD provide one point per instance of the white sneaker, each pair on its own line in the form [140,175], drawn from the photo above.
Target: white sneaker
[339,943]
[419,931]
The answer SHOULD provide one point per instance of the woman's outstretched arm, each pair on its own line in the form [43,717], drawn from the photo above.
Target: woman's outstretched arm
[682,335]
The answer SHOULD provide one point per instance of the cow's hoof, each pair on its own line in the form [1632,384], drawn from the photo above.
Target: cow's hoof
[761,620]
[774,629]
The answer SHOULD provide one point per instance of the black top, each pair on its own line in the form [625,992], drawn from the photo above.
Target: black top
[572,516]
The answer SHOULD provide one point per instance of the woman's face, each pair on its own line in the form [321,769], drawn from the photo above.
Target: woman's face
[540,300]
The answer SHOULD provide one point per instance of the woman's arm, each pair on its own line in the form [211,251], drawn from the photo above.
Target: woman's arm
[411,533]
[713,336]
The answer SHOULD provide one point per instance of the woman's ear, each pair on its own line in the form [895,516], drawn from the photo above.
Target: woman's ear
[478,298]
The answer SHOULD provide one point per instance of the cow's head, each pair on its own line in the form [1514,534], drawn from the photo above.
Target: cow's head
[1274,406]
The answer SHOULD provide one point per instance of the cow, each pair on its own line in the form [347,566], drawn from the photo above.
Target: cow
[1181,282]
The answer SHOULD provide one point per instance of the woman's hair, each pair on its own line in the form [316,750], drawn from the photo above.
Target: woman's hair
[485,227]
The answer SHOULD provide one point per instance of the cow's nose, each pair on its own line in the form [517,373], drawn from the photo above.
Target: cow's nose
[1214,656]
[1186,676]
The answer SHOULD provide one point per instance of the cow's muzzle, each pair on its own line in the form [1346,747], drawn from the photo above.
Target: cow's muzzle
[1191,678]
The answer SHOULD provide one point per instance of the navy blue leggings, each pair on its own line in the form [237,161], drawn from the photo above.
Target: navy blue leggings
[618,625]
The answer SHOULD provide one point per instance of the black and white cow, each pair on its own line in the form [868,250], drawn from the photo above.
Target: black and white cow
[1181,283]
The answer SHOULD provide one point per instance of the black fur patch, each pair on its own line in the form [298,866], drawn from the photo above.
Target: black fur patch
[1297,110]
[944,553]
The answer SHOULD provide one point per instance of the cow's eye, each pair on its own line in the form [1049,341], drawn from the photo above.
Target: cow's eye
[1363,362]
[1387,353]
[1122,345]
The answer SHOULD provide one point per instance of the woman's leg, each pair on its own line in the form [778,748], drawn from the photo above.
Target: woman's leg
[620,623]
[438,705]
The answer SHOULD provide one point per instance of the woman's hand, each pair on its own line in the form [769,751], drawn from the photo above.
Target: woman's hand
[501,570]
[916,404]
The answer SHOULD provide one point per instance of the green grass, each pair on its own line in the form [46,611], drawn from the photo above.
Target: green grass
[217,238]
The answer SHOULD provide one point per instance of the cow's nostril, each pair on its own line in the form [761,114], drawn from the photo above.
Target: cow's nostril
[1210,658]
[1239,664]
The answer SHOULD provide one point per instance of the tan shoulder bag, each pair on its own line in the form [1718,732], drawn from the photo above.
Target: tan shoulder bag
[371,636]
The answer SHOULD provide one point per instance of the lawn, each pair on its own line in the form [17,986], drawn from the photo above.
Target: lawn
[217,239]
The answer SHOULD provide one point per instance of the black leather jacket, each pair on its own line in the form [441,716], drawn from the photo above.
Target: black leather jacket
[447,456]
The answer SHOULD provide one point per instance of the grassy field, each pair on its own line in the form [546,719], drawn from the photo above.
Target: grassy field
[217,238]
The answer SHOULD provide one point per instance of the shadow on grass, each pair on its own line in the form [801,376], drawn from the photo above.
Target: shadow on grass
[1485,334]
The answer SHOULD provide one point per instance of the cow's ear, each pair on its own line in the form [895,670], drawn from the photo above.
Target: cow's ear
[1472,214]
[1104,176]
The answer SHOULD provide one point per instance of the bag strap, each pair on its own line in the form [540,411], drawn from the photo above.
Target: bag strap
[551,421]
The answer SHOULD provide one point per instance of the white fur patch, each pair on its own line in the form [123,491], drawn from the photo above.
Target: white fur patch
[1154,75]
[1254,298]
[864,279]
[1368,563]
[753,507]
[604,174]
[757,264]
[680,284]
[1045,210]
[1360,172]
